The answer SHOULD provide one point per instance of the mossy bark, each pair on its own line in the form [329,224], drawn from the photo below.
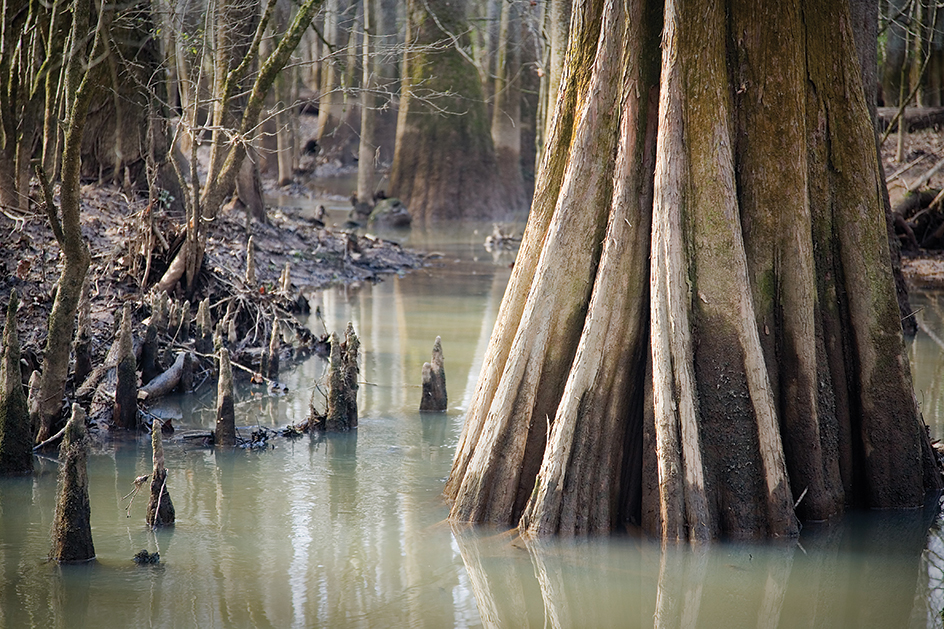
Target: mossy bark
[16,438]
[72,530]
[80,83]
[777,384]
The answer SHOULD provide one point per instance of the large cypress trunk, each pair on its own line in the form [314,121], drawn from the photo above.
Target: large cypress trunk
[737,245]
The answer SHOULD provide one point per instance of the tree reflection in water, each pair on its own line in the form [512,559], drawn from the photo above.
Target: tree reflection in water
[871,570]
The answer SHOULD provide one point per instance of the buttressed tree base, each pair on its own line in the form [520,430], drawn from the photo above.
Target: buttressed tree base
[700,335]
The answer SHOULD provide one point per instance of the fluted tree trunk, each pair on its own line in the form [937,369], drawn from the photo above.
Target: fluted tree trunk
[701,334]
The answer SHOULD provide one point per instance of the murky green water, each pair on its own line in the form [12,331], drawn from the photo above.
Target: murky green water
[350,531]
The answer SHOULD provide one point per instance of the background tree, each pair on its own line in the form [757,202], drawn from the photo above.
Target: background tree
[506,107]
[231,144]
[754,371]
[444,165]
[25,63]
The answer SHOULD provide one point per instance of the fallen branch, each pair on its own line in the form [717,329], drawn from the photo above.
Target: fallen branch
[923,179]
[165,382]
[56,438]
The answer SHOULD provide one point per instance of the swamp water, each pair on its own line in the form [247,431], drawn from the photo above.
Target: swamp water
[349,531]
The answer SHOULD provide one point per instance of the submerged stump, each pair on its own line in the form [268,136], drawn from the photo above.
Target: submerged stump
[72,531]
[342,382]
[225,410]
[434,381]
[160,509]
[16,442]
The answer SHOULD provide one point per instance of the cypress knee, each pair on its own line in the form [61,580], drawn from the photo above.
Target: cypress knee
[72,531]
[225,411]
[160,509]
[126,392]
[16,453]
[434,381]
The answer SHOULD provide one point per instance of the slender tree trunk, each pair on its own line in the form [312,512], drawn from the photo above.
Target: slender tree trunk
[367,146]
[79,90]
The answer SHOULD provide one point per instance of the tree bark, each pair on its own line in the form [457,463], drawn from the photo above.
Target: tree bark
[434,381]
[160,509]
[761,291]
[225,412]
[126,391]
[79,90]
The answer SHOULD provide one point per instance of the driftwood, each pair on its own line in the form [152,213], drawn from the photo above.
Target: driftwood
[107,372]
[167,381]
[434,381]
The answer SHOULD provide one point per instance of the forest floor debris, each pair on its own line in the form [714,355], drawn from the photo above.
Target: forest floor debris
[115,227]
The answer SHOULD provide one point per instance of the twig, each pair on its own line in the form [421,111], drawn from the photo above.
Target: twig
[50,441]
[901,171]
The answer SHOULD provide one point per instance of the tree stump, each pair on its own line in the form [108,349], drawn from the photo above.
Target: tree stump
[126,392]
[160,509]
[204,328]
[342,382]
[72,531]
[225,412]
[270,361]
[16,454]
[434,381]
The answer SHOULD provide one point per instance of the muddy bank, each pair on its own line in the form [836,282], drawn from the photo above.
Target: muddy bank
[129,255]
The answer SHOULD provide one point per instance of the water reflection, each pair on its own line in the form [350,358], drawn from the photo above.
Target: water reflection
[868,572]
